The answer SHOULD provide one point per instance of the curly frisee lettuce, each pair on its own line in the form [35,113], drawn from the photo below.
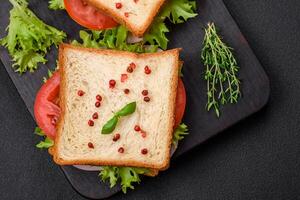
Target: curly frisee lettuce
[28,38]
[180,132]
[115,38]
[56,5]
[126,175]
[176,11]
[47,141]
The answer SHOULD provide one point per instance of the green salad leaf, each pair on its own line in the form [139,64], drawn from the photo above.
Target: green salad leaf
[38,131]
[126,175]
[130,175]
[115,38]
[47,141]
[157,34]
[28,38]
[176,11]
[45,144]
[49,75]
[56,5]
[111,173]
[179,11]
[179,133]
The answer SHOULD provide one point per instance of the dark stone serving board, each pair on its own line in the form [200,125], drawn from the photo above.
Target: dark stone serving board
[202,125]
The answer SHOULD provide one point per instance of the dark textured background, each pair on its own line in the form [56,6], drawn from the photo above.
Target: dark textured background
[259,158]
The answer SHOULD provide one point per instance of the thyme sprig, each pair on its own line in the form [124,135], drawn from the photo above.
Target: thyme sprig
[223,85]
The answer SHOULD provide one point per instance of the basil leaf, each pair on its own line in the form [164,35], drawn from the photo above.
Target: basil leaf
[110,125]
[127,110]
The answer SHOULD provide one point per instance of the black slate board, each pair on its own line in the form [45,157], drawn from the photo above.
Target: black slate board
[202,125]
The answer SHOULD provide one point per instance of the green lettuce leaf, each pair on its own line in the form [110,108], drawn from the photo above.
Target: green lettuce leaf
[38,131]
[157,34]
[47,141]
[111,173]
[56,4]
[49,75]
[176,11]
[28,38]
[45,144]
[115,38]
[179,11]
[130,175]
[179,133]
[126,175]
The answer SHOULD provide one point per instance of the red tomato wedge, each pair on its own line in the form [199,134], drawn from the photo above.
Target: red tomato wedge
[88,16]
[47,111]
[180,103]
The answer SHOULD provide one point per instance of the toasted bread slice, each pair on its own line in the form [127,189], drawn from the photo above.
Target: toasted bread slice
[90,70]
[136,15]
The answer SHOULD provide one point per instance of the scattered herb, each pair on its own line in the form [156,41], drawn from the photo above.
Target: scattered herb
[127,176]
[110,126]
[179,133]
[28,38]
[223,85]
[43,144]
[56,5]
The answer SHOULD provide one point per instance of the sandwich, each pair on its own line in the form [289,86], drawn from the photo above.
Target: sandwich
[114,109]
[96,85]
[116,103]
[115,106]
[145,19]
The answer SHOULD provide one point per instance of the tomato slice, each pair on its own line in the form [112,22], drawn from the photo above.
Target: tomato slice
[46,110]
[180,103]
[88,16]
